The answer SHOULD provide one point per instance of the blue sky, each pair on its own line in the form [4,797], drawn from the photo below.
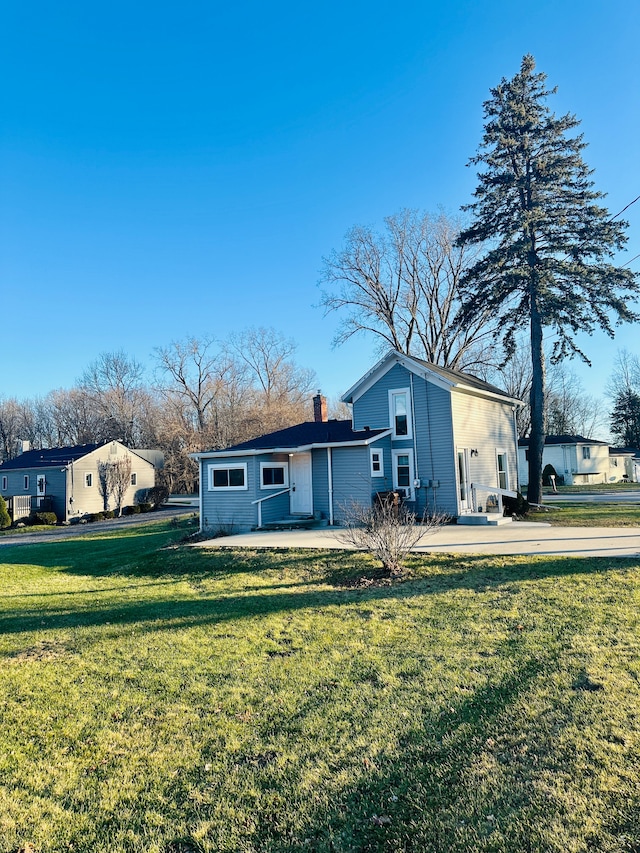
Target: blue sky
[181,169]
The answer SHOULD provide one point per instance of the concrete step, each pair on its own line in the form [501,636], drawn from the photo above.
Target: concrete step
[484,518]
[295,522]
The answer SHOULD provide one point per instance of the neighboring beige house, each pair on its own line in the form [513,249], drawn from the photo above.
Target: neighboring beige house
[64,480]
[578,460]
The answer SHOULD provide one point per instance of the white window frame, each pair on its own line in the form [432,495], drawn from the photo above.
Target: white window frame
[5,483]
[285,468]
[26,482]
[394,455]
[586,452]
[88,480]
[134,478]
[376,451]
[502,452]
[228,467]
[393,395]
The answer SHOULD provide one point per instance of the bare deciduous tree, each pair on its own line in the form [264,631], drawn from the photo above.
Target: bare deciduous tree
[115,383]
[402,287]
[120,474]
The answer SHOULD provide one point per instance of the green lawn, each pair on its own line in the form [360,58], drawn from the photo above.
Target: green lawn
[289,701]
[577,514]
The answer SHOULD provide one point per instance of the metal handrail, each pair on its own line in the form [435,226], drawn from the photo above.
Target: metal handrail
[260,501]
[494,490]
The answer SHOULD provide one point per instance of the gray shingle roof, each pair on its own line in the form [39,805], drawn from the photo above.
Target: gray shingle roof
[310,432]
[49,458]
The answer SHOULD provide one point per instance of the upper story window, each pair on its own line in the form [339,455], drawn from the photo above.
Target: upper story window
[88,480]
[228,477]
[26,481]
[400,412]
[134,479]
[377,463]
[503,470]
[4,483]
[274,475]
[586,453]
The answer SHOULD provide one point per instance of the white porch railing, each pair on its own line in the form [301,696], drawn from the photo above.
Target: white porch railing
[492,491]
[260,501]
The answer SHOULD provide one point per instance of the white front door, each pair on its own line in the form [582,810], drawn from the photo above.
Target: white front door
[463,481]
[300,482]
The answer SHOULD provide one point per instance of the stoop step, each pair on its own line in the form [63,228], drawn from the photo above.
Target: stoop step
[485,518]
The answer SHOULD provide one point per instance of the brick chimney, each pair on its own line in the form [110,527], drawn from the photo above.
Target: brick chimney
[319,408]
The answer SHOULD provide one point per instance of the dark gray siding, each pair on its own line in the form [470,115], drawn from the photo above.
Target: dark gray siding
[55,488]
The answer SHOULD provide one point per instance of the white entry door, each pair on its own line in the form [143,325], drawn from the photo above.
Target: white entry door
[463,481]
[300,482]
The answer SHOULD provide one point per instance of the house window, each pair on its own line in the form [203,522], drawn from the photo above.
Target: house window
[88,480]
[400,412]
[614,463]
[274,475]
[4,483]
[403,472]
[134,479]
[377,463]
[503,471]
[26,481]
[228,477]
[586,453]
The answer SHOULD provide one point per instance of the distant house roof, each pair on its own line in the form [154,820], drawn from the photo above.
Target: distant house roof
[624,451]
[49,458]
[564,439]
[52,457]
[444,375]
[304,436]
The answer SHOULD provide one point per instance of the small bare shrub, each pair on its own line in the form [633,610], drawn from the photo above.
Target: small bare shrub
[387,531]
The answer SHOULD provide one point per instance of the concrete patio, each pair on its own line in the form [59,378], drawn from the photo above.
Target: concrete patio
[517,538]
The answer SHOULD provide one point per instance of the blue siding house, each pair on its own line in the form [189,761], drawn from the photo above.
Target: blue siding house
[442,439]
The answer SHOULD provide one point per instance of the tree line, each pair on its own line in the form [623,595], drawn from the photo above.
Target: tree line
[197,394]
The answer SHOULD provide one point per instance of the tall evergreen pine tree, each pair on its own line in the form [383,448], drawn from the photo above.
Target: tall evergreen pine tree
[549,265]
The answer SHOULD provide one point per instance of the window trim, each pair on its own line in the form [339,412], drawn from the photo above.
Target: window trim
[5,483]
[393,394]
[228,467]
[407,451]
[586,452]
[380,452]
[284,466]
[26,482]
[500,451]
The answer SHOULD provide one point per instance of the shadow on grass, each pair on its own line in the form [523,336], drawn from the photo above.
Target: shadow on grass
[315,580]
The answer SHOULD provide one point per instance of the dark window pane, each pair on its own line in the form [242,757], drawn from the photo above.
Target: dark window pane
[236,476]
[220,477]
[401,425]
[273,476]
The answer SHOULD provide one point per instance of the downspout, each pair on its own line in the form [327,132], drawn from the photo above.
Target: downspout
[416,474]
[515,438]
[200,478]
[330,481]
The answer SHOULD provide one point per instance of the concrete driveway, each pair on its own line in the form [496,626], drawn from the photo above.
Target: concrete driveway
[518,538]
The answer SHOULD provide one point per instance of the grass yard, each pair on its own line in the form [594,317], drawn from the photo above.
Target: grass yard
[579,514]
[167,699]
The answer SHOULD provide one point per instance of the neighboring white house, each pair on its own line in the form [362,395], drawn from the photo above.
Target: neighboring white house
[579,461]
[65,479]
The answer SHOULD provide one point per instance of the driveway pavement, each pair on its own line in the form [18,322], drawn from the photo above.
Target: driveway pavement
[517,538]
